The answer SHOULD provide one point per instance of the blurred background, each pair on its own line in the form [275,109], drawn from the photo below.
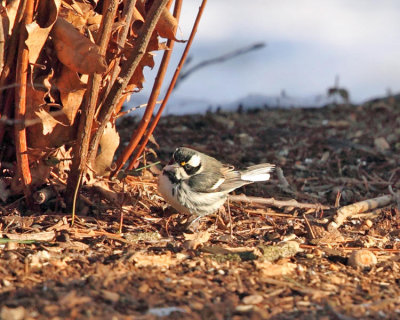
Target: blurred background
[310,46]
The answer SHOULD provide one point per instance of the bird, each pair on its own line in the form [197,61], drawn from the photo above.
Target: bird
[198,185]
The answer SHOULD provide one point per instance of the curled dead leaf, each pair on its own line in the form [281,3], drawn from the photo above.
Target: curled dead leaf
[269,269]
[75,50]
[167,25]
[72,90]
[109,143]
[38,30]
[194,240]
[48,122]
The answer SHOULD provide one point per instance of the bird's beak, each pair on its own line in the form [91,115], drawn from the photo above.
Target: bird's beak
[171,167]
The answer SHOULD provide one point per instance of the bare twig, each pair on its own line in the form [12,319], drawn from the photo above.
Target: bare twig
[171,86]
[344,212]
[277,203]
[20,105]
[223,58]
[122,113]
[127,14]
[85,125]
[140,131]
[127,70]
[309,227]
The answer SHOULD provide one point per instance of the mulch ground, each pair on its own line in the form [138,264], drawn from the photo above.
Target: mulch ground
[260,262]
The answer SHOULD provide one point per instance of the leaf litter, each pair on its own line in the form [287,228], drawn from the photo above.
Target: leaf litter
[270,261]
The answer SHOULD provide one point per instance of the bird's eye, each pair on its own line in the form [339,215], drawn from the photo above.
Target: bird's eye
[183,163]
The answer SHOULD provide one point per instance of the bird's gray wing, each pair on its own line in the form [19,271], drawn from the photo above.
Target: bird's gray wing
[206,181]
[235,179]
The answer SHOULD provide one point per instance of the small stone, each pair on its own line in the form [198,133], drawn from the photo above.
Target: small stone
[381,144]
[368,223]
[144,288]
[110,296]
[12,313]
[362,259]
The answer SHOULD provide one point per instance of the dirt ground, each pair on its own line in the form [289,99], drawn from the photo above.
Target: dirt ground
[264,261]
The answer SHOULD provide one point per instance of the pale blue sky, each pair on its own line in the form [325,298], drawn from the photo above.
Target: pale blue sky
[309,42]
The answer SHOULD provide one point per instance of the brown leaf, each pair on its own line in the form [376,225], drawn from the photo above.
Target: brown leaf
[109,143]
[269,269]
[196,239]
[38,30]
[167,25]
[48,122]
[78,13]
[155,261]
[75,50]
[12,7]
[138,77]
[72,90]
[40,172]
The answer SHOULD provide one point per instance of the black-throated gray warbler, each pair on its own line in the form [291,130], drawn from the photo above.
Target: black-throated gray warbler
[197,184]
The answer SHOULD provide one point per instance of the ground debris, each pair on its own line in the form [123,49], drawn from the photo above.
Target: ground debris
[274,258]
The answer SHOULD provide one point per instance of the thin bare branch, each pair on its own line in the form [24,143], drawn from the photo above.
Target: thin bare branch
[170,88]
[223,58]
[140,131]
[127,70]
[85,125]
[20,105]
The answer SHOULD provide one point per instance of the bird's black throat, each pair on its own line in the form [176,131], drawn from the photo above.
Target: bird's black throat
[171,176]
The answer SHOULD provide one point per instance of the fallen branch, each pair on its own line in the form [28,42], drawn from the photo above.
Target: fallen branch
[344,212]
[278,203]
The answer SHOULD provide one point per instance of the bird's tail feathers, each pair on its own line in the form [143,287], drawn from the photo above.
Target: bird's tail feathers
[259,172]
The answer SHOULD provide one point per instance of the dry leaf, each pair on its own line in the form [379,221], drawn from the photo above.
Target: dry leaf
[38,30]
[167,25]
[48,122]
[151,260]
[103,188]
[39,172]
[71,299]
[12,7]
[269,269]
[217,249]
[75,50]
[381,144]
[72,90]
[109,143]
[194,240]
[138,77]
[77,13]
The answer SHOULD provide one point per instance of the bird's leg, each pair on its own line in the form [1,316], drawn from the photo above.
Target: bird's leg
[193,223]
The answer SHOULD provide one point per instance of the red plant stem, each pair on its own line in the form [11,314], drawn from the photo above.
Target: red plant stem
[127,70]
[20,105]
[170,88]
[85,125]
[155,92]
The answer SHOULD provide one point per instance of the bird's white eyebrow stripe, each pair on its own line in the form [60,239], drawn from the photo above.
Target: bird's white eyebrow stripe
[218,183]
[194,161]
